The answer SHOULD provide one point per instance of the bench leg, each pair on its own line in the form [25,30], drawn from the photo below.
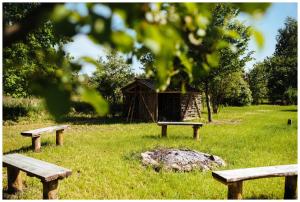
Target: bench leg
[164,130]
[235,190]
[36,143]
[196,135]
[59,137]
[290,189]
[14,180]
[50,190]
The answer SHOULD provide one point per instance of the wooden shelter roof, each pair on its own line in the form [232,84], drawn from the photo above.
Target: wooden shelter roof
[150,84]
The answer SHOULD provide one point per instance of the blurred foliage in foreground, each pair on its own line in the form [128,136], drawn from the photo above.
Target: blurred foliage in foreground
[159,28]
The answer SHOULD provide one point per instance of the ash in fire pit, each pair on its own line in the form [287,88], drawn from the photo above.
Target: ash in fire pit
[180,160]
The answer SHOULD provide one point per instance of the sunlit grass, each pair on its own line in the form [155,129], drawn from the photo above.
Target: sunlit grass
[105,160]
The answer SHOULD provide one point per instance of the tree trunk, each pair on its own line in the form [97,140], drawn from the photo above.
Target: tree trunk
[215,107]
[208,102]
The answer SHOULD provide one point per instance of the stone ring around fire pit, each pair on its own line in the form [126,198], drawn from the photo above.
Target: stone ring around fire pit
[182,160]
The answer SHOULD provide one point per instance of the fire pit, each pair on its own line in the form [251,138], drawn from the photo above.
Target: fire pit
[182,160]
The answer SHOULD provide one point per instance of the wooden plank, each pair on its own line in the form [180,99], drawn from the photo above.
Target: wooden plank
[130,106]
[228,176]
[133,107]
[37,132]
[37,168]
[180,123]
[148,110]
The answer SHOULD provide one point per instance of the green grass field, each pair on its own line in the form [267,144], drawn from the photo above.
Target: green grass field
[104,157]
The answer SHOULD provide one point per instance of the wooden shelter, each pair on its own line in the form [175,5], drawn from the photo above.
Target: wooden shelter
[143,103]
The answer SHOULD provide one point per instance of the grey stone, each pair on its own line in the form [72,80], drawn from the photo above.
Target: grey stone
[183,160]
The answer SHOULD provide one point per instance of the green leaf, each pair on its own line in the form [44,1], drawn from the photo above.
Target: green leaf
[94,98]
[57,97]
[259,38]
[202,21]
[91,61]
[123,41]
[213,59]
[61,18]
[252,8]
[222,44]
[59,13]
[187,63]
[99,26]
[232,34]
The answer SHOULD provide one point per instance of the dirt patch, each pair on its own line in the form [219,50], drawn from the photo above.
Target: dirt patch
[264,110]
[229,121]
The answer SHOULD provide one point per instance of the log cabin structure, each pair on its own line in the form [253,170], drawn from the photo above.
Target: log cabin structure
[141,102]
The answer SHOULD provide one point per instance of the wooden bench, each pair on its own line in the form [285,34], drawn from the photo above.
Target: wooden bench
[48,173]
[234,178]
[195,125]
[36,135]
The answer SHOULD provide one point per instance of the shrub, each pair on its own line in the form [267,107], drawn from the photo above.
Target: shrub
[238,92]
[83,107]
[14,108]
[290,95]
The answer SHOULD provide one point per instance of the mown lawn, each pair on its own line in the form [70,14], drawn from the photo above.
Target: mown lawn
[105,160]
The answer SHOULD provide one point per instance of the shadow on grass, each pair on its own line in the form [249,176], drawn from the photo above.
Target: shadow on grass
[289,110]
[84,120]
[25,149]
[10,196]
[170,137]
[133,156]
[259,196]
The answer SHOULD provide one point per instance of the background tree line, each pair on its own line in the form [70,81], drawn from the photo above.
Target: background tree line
[275,78]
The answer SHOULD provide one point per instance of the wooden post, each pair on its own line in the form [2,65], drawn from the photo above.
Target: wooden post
[196,136]
[59,137]
[36,143]
[14,180]
[290,189]
[235,190]
[50,189]
[164,130]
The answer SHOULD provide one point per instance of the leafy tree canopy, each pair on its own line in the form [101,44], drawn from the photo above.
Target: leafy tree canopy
[21,62]
[276,76]
[160,27]
[257,79]
[114,74]
[282,67]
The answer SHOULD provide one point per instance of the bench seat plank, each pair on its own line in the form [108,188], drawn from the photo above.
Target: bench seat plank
[228,176]
[34,167]
[180,123]
[37,132]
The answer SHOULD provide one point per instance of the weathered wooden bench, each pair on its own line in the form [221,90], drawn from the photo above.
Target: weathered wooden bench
[48,173]
[195,126]
[36,135]
[234,178]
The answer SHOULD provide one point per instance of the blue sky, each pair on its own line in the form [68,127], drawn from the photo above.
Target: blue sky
[268,24]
